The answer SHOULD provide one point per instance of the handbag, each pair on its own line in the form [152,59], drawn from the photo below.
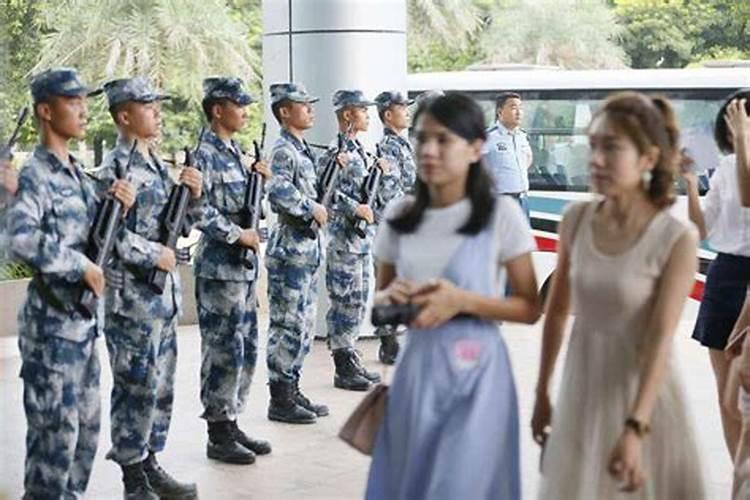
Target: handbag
[361,428]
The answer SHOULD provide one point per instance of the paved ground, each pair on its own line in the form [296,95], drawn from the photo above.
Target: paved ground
[309,461]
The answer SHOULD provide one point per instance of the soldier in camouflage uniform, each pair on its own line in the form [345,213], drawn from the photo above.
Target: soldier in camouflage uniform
[48,226]
[8,188]
[139,324]
[394,113]
[293,256]
[224,286]
[348,260]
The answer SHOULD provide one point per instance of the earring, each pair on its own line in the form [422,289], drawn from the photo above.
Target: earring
[646,177]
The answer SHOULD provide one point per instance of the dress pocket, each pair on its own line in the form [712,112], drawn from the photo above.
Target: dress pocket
[42,395]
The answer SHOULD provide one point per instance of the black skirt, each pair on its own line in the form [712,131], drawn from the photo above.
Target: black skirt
[723,295]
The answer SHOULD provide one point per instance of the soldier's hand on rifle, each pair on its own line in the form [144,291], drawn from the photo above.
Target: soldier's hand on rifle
[262,168]
[193,179]
[320,214]
[384,165]
[8,177]
[249,238]
[93,277]
[167,260]
[365,212]
[124,192]
[342,159]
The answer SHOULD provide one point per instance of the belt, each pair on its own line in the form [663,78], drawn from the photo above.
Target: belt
[522,194]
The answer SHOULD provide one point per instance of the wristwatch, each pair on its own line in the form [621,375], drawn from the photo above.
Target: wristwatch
[640,428]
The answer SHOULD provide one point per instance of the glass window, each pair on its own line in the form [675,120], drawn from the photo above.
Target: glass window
[556,122]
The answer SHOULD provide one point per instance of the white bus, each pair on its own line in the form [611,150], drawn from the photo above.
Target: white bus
[558,106]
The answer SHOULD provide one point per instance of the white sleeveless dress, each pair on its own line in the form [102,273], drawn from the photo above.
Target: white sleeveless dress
[613,296]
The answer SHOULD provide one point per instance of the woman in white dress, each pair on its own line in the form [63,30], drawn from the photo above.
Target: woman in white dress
[626,265]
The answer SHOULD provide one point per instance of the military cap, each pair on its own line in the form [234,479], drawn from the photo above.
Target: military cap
[137,89]
[345,98]
[385,100]
[290,92]
[226,87]
[58,81]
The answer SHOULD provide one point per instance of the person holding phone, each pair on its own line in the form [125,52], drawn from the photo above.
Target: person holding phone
[450,429]
[724,222]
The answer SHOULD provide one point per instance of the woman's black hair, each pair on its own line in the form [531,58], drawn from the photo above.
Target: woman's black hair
[461,115]
[721,131]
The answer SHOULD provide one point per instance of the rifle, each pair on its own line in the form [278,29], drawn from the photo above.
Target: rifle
[102,236]
[328,183]
[6,152]
[251,212]
[369,192]
[173,224]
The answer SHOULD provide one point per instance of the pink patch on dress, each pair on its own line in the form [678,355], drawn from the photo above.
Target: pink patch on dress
[467,353]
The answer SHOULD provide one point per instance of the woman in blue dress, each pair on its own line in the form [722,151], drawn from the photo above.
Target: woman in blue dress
[451,425]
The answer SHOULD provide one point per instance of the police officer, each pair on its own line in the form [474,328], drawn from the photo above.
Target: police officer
[293,256]
[394,113]
[140,324]
[507,152]
[224,286]
[348,260]
[48,226]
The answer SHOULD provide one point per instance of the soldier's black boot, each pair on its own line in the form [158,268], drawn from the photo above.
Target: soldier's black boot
[167,487]
[347,374]
[223,446]
[257,446]
[284,407]
[373,377]
[320,410]
[136,483]
[388,351]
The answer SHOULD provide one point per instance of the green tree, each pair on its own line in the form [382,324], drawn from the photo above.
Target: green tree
[21,31]
[442,35]
[176,44]
[572,34]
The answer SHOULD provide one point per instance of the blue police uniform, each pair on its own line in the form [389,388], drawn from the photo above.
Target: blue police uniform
[507,154]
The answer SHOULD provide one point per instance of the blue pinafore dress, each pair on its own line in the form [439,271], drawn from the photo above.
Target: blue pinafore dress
[450,430]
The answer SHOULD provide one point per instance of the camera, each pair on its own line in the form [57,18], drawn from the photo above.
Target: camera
[394,314]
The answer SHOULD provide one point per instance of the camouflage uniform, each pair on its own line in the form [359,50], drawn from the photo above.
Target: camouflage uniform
[48,226]
[139,324]
[224,287]
[348,262]
[400,179]
[292,259]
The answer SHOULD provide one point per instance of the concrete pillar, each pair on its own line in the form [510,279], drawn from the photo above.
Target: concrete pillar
[329,45]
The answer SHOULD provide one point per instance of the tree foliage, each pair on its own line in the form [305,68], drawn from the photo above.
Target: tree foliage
[572,34]
[675,33]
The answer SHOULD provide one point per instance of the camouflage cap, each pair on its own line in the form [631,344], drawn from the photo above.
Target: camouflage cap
[58,81]
[345,98]
[290,91]
[137,89]
[226,87]
[385,100]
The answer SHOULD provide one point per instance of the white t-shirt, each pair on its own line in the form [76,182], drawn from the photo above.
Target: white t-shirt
[727,221]
[436,239]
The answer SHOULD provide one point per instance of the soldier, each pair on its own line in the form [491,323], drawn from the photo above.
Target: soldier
[8,188]
[224,286]
[394,113]
[139,324]
[293,256]
[48,226]
[348,261]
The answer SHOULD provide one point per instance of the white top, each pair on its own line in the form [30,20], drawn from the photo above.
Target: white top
[727,222]
[437,238]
